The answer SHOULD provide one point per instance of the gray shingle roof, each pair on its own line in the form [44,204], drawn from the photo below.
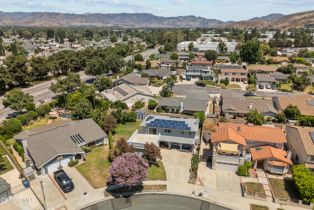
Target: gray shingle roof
[195,101]
[162,72]
[279,76]
[170,102]
[264,78]
[134,79]
[53,140]
[4,186]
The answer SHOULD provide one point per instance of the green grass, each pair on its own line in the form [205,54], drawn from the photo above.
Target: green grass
[285,88]
[7,166]
[254,188]
[125,130]
[96,167]
[157,172]
[233,86]
[283,188]
[258,207]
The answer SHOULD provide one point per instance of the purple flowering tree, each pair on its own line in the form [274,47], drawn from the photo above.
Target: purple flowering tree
[129,169]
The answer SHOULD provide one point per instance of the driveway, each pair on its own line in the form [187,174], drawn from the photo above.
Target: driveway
[177,165]
[228,181]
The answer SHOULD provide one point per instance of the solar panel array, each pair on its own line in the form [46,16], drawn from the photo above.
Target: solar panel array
[170,124]
[122,92]
[312,136]
[77,139]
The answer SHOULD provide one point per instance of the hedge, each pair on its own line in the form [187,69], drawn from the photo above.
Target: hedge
[304,182]
[73,163]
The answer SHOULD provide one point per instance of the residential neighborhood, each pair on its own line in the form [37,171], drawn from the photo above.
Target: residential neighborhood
[99,115]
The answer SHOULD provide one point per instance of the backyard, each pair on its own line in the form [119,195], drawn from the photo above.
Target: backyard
[125,130]
[283,189]
[253,189]
[5,165]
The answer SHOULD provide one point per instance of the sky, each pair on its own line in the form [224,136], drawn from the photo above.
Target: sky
[213,9]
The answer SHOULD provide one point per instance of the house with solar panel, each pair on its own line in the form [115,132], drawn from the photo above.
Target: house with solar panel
[169,132]
[51,147]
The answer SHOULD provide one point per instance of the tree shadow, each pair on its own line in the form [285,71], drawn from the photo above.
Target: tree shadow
[118,191]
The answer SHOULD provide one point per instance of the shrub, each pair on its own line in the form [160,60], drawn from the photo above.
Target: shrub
[73,163]
[138,105]
[194,163]
[10,127]
[243,170]
[43,110]
[31,115]
[304,182]
[19,148]
[200,83]
[86,149]
[152,104]
[23,119]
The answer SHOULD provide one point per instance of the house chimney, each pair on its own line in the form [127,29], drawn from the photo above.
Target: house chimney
[289,154]
[251,105]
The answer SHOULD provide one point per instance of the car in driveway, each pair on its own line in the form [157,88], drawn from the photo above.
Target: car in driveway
[261,86]
[268,86]
[64,181]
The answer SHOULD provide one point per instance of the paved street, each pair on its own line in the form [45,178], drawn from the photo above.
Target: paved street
[145,54]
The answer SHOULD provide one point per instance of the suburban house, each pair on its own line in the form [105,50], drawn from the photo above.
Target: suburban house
[177,133]
[253,69]
[51,147]
[202,72]
[5,190]
[165,62]
[301,144]
[301,68]
[201,62]
[233,107]
[272,160]
[170,104]
[132,79]
[196,101]
[162,73]
[128,94]
[280,77]
[304,102]
[264,80]
[231,143]
[184,56]
[234,73]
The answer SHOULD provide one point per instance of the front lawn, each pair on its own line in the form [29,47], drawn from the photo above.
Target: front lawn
[125,130]
[5,165]
[309,89]
[233,86]
[258,207]
[284,188]
[285,88]
[254,189]
[95,168]
[156,172]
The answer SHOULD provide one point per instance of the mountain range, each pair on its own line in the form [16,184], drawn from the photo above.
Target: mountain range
[145,20]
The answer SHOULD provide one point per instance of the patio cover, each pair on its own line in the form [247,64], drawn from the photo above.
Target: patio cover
[228,148]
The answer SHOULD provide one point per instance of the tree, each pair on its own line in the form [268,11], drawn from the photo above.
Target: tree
[40,69]
[110,139]
[10,127]
[281,117]
[191,46]
[292,112]
[300,83]
[307,121]
[251,88]
[103,83]
[304,182]
[250,51]
[222,47]
[113,38]
[165,91]
[151,153]
[138,57]
[89,92]
[211,55]
[200,116]
[122,147]
[82,109]
[2,49]
[17,70]
[289,69]
[17,100]
[95,66]
[138,105]
[110,123]
[152,104]
[66,85]
[255,118]
[148,64]
[128,170]
[174,56]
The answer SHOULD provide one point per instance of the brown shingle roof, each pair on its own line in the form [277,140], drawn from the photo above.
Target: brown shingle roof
[262,68]
[304,133]
[303,102]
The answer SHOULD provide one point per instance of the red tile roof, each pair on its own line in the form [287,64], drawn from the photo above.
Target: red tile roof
[268,152]
[249,133]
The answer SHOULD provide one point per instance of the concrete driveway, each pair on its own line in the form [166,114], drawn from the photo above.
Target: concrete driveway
[177,165]
[228,181]
[81,185]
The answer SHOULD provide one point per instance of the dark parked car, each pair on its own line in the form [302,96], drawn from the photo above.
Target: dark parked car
[247,94]
[64,181]
[261,86]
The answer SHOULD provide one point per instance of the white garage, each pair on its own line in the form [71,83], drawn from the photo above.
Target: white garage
[56,164]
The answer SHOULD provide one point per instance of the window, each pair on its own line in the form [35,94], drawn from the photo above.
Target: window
[312,158]
[167,131]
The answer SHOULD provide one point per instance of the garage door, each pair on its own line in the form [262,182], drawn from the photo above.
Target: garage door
[54,166]
[226,167]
